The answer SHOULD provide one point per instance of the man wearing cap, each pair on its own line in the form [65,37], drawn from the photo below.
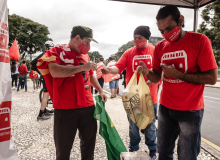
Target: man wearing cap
[99,73]
[68,73]
[142,51]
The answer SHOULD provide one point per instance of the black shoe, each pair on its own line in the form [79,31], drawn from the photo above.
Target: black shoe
[43,117]
[112,97]
[48,112]
[152,154]
[131,150]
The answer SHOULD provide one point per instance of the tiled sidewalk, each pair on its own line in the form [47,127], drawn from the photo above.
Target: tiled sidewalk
[34,139]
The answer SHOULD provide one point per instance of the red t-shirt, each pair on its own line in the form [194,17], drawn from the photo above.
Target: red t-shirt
[64,89]
[33,74]
[22,69]
[191,54]
[130,60]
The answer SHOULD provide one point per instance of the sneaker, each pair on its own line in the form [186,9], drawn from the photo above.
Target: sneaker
[152,154]
[112,97]
[43,117]
[132,150]
[49,112]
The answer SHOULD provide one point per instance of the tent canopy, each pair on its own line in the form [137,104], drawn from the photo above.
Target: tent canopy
[180,3]
[193,4]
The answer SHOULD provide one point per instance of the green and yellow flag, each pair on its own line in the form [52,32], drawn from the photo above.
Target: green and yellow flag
[107,130]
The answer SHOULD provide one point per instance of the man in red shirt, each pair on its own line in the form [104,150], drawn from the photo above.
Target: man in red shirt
[22,69]
[68,74]
[99,73]
[113,85]
[188,63]
[142,51]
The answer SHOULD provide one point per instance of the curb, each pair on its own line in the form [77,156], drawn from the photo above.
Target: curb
[210,149]
[205,144]
[213,87]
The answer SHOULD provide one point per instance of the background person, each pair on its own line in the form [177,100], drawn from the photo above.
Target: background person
[44,113]
[113,85]
[188,63]
[99,73]
[124,78]
[142,51]
[14,74]
[34,78]
[22,69]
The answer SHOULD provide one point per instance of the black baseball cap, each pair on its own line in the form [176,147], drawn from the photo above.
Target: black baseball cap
[83,32]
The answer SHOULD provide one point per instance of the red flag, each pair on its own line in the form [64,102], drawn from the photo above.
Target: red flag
[14,51]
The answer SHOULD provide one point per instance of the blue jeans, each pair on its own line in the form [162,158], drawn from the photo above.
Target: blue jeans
[25,83]
[149,132]
[186,125]
[14,78]
[113,84]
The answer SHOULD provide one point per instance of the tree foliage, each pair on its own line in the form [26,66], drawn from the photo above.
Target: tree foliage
[28,34]
[94,56]
[122,49]
[211,26]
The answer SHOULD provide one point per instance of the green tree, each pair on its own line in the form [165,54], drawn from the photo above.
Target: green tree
[211,26]
[122,49]
[28,34]
[94,56]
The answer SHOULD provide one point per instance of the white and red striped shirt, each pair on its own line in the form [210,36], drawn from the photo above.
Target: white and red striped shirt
[100,65]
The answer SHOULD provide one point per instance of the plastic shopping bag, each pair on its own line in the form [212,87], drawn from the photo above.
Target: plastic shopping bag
[137,102]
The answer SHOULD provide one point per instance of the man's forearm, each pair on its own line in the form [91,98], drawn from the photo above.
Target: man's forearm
[154,76]
[60,71]
[114,70]
[208,77]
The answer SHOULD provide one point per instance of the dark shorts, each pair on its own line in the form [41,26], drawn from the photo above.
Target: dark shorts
[44,84]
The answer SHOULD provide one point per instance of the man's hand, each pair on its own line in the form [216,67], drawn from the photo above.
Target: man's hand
[142,68]
[149,83]
[171,71]
[87,66]
[106,70]
[103,96]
